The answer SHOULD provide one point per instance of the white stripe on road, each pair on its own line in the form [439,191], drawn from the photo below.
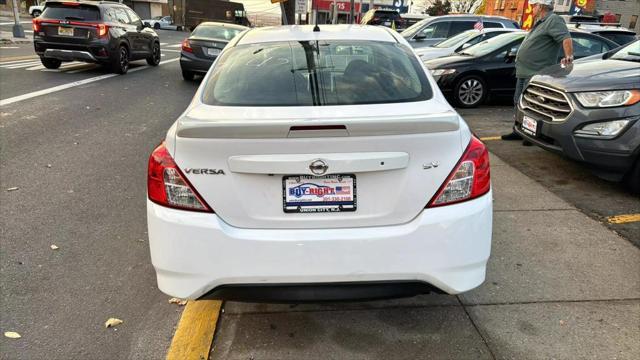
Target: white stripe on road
[174,45]
[169,50]
[9,47]
[90,67]
[22,65]
[163,44]
[50,90]
[13,22]
[17,61]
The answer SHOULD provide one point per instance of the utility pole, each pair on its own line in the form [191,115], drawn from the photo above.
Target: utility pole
[18,31]
[352,12]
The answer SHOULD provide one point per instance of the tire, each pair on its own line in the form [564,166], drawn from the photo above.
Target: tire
[50,63]
[179,28]
[633,178]
[154,58]
[188,75]
[470,91]
[120,64]
[36,13]
[156,26]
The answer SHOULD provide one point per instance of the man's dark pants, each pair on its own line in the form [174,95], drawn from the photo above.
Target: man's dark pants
[521,83]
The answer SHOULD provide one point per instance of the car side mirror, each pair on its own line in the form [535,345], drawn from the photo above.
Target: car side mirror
[419,37]
[511,55]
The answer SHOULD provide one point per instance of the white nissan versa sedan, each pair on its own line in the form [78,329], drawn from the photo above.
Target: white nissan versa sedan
[318,165]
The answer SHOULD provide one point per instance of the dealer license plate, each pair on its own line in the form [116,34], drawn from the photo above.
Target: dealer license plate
[312,194]
[65,31]
[213,51]
[529,126]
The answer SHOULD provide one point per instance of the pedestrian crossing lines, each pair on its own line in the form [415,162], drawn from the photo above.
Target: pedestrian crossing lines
[34,64]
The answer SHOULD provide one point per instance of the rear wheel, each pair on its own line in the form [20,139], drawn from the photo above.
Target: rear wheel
[154,58]
[120,64]
[156,26]
[50,63]
[36,13]
[179,28]
[470,91]
[188,75]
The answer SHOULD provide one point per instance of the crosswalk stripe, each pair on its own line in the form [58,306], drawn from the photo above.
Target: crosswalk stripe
[17,61]
[90,67]
[174,45]
[39,67]
[21,65]
[163,44]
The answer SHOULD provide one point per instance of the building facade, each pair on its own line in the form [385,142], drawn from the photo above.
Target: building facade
[626,11]
[511,9]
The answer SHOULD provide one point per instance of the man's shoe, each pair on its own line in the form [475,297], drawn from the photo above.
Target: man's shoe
[526,143]
[512,136]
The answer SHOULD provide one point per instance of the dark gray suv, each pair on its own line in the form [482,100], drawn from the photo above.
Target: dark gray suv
[432,30]
[590,112]
[93,31]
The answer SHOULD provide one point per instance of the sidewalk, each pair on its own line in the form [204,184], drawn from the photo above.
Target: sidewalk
[6,37]
[559,285]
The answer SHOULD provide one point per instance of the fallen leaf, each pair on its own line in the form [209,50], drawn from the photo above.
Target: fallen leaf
[179,302]
[54,247]
[113,322]
[561,322]
[13,188]
[12,335]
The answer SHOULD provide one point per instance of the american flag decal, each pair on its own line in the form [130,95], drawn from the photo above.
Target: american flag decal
[343,190]
[479,25]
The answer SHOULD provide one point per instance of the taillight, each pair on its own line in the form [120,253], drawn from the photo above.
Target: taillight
[470,178]
[167,186]
[36,25]
[186,46]
[102,29]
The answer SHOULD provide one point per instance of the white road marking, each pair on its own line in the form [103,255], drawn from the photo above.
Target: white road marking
[174,45]
[13,22]
[70,85]
[22,65]
[9,47]
[163,44]
[90,67]
[17,61]
[39,67]
[169,50]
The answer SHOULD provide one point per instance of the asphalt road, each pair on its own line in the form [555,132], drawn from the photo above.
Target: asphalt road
[78,160]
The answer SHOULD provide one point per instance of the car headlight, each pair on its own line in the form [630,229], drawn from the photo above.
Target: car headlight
[608,98]
[603,129]
[440,72]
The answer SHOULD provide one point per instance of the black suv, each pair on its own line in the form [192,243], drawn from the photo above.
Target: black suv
[93,31]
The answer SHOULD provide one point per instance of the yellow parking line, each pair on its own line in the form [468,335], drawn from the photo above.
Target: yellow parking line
[195,331]
[623,219]
[490,138]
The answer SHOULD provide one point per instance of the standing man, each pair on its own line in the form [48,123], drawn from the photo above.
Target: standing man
[540,49]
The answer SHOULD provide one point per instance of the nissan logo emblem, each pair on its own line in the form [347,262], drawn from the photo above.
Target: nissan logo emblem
[318,167]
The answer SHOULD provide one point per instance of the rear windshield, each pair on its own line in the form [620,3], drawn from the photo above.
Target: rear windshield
[458,39]
[620,38]
[308,73]
[488,46]
[387,15]
[216,32]
[66,12]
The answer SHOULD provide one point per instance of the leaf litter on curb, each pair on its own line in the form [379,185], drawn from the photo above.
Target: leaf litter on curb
[54,247]
[177,301]
[12,335]
[112,322]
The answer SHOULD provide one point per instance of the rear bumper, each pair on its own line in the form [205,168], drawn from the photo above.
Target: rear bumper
[195,253]
[70,55]
[191,63]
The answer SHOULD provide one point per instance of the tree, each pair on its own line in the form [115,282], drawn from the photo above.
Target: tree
[482,8]
[439,8]
[465,6]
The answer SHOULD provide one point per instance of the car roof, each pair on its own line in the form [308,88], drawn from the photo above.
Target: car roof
[222,24]
[327,32]
[598,28]
[471,17]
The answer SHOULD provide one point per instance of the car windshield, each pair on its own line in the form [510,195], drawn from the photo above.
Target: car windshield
[457,40]
[490,45]
[313,73]
[630,52]
[216,32]
[156,17]
[411,30]
[621,38]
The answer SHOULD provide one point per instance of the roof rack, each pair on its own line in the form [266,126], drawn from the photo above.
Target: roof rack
[578,23]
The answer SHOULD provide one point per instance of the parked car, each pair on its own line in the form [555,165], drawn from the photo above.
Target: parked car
[107,33]
[469,76]
[460,42]
[204,45]
[36,10]
[383,17]
[162,22]
[617,34]
[589,112]
[435,29]
[410,19]
[286,178]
